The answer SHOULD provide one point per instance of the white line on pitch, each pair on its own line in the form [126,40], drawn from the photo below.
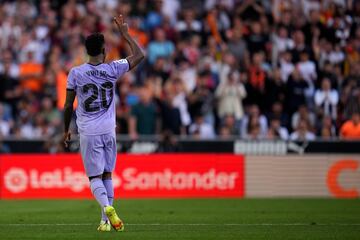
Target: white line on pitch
[185,224]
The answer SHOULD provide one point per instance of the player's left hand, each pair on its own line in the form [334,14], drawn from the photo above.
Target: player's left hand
[67,138]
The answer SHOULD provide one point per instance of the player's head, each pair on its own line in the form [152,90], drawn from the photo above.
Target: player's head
[95,45]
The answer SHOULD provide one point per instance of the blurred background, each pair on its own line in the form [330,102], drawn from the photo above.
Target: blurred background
[214,70]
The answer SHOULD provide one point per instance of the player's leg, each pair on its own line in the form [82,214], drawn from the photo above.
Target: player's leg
[109,141]
[108,183]
[99,191]
[110,161]
[107,180]
[92,152]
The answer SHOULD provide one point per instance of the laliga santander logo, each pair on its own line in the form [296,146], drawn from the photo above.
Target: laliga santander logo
[167,179]
[17,180]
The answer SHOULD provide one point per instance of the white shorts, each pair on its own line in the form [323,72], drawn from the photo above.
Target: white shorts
[98,153]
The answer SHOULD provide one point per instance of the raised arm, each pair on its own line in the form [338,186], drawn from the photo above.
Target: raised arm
[136,53]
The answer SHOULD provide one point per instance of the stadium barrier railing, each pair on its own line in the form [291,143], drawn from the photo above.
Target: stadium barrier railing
[151,144]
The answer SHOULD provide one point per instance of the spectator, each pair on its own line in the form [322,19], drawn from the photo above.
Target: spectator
[276,131]
[326,128]
[155,17]
[326,99]
[160,69]
[179,101]
[170,9]
[238,47]
[160,47]
[191,51]
[257,77]
[50,114]
[143,116]
[282,42]
[277,112]
[333,55]
[170,115]
[303,113]
[8,66]
[257,40]
[328,71]
[296,92]
[42,128]
[230,94]
[200,129]
[30,74]
[26,128]
[286,66]
[229,126]
[254,124]
[351,128]
[126,99]
[188,25]
[201,100]
[137,33]
[299,46]
[188,75]
[10,92]
[302,132]
[253,131]
[5,124]
[307,68]
[275,90]
[250,10]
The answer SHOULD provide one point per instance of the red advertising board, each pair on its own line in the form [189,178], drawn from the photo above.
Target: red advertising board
[136,176]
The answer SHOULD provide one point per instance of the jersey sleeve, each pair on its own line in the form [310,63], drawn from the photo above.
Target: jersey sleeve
[71,82]
[120,67]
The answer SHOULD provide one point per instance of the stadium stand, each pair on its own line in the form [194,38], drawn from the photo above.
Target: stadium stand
[281,69]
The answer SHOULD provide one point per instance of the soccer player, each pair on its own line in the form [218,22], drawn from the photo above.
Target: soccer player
[94,85]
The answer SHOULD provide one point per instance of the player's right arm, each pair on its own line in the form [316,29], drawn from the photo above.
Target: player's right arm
[68,107]
[136,53]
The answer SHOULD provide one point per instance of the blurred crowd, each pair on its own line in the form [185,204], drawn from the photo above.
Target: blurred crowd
[251,69]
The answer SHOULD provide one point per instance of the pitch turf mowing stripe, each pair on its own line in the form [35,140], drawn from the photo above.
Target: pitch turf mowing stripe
[185,224]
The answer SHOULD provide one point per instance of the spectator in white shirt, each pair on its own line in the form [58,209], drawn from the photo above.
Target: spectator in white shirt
[201,130]
[230,94]
[282,42]
[334,55]
[189,23]
[179,101]
[326,99]
[170,8]
[307,68]
[286,66]
[302,133]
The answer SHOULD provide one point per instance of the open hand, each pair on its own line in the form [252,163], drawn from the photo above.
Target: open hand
[123,27]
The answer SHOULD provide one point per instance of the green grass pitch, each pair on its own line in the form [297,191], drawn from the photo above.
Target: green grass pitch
[184,219]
